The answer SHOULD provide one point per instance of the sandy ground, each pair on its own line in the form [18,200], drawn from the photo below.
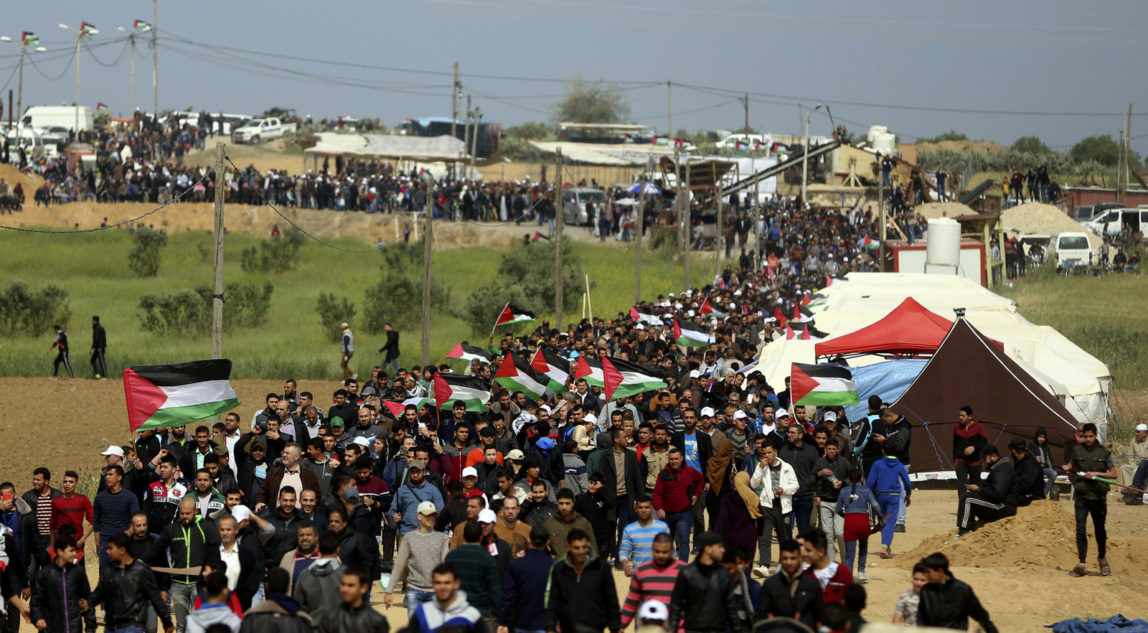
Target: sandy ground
[1019,567]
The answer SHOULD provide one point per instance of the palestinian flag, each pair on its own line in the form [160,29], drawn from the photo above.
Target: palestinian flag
[28,38]
[645,315]
[687,334]
[538,237]
[780,316]
[88,30]
[605,371]
[511,314]
[471,390]
[517,375]
[470,353]
[418,402]
[552,367]
[806,299]
[139,26]
[176,395]
[707,308]
[822,385]
[868,242]
[397,408]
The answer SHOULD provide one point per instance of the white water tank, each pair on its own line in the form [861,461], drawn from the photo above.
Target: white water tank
[943,247]
[882,140]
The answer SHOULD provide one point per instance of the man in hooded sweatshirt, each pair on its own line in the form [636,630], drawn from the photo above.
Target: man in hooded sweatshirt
[317,589]
[449,607]
[216,610]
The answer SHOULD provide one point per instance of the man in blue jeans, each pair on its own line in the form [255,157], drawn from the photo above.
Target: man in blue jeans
[677,489]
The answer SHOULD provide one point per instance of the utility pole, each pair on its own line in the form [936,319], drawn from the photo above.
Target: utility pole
[745,103]
[1127,142]
[686,221]
[560,213]
[638,243]
[719,243]
[454,100]
[474,139]
[881,215]
[154,61]
[670,106]
[428,237]
[466,127]
[756,220]
[132,74]
[217,286]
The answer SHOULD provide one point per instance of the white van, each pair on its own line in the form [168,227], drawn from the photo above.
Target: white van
[1113,221]
[1070,250]
[44,117]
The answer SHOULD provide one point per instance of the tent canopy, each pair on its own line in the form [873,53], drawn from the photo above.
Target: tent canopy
[968,369]
[910,329]
[426,148]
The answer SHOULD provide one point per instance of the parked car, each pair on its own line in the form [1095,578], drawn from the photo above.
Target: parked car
[1113,221]
[1086,212]
[574,202]
[1070,250]
[258,130]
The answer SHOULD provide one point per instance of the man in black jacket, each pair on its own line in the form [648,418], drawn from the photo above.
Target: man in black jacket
[899,437]
[391,347]
[996,499]
[789,583]
[947,602]
[1029,474]
[697,449]
[705,596]
[620,489]
[191,542]
[582,594]
[355,614]
[126,588]
[99,346]
[60,591]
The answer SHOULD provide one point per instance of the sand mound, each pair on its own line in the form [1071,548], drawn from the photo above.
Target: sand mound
[12,175]
[932,210]
[1040,535]
[1037,217]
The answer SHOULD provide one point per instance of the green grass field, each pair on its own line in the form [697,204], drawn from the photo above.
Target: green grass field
[93,269]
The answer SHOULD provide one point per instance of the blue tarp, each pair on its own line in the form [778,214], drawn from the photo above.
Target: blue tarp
[1115,624]
[889,380]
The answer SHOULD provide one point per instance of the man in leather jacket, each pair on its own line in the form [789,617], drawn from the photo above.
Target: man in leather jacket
[947,602]
[701,587]
[355,614]
[126,587]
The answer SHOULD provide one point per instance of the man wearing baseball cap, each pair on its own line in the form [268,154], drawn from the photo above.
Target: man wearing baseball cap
[410,497]
[1029,475]
[420,552]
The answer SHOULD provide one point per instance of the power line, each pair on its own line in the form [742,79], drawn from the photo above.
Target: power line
[289,220]
[109,226]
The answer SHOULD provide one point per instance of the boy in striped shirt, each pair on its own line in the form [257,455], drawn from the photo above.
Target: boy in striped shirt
[638,537]
[653,579]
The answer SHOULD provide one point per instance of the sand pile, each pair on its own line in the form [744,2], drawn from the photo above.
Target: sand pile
[1042,534]
[1037,217]
[932,210]
[12,175]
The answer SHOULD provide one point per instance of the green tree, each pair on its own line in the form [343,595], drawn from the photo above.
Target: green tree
[951,135]
[333,311]
[592,102]
[1030,145]
[1100,148]
[143,260]
[526,279]
[397,298]
[532,130]
[24,312]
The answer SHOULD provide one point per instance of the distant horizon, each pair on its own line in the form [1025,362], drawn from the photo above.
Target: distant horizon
[1044,69]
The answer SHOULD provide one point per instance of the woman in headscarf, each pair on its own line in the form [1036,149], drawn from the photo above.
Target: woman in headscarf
[739,520]
[719,473]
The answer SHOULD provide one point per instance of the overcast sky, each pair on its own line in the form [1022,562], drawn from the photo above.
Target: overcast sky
[916,66]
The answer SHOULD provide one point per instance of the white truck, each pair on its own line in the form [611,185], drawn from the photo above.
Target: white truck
[258,130]
[44,117]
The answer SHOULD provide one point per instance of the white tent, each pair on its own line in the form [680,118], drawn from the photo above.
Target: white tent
[1078,379]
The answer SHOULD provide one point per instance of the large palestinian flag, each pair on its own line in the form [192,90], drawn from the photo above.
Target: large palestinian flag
[687,334]
[645,315]
[634,378]
[470,353]
[175,395]
[448,388]
[822,385]
[511,314]
[552,367]
[517,375]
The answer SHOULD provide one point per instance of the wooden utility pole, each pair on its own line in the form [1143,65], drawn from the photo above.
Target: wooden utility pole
[428,236]
[745,102]
[640,221]
[670,106]
[560,221]
[217,286]
[454,99]
[154,62]
[881,215]
[1125,176]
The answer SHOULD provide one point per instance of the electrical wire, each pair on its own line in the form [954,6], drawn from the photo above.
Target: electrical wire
[10,78]
[110,226]
[119,59]
[289,220]
[71,58]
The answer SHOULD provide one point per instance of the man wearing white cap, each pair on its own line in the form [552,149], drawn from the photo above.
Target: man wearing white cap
[420,552]
[1136,470]
[652,616]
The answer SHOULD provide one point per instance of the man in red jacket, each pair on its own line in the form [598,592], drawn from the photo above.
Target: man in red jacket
[968,440]
[675,493]
[833,576]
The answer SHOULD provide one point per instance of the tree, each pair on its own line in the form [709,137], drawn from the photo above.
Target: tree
[951,135]
[526,279]
[592,102]
[143,260]
[530,130]
[1100,148]
[1030,145]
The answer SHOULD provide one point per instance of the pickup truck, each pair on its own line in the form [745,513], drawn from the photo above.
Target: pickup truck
[257,130]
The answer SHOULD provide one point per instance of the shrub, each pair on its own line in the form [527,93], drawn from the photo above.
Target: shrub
[277,254]
[27,313]
[143,260]
[332,312]
[526,279]
[188,312]
[398,296]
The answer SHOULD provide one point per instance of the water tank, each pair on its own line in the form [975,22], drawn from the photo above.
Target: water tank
[943,248]
[874,130]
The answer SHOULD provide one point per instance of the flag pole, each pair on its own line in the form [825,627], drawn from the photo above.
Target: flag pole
[496,322]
